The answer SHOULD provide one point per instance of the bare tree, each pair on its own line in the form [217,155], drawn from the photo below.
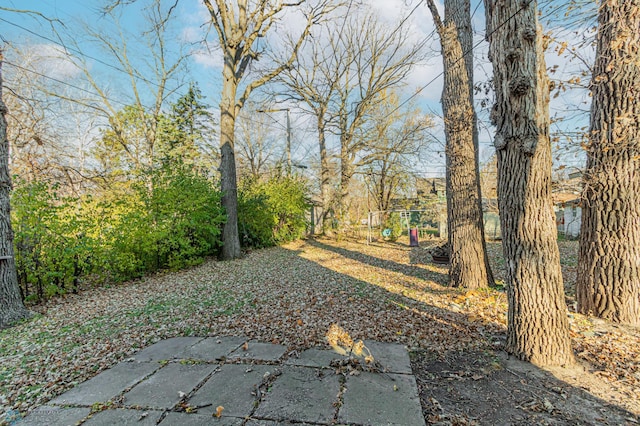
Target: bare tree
[377,60]
[11,307]
[538,328]
[608,283]
[239,26]
[38,125]
[255,143]
[132,132]
[343,76]
[314,82]
[469,265]
[397,136]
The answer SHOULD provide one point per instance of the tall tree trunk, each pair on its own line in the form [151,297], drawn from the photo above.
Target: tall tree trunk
[608,283]
[469,261]
[383,193]
[538,329]
[346,173]
[11,307]
[228,182]
[325,175]
[240,24]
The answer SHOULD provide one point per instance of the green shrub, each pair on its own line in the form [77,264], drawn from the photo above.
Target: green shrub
[185,217]
[288,206]
[169,220]
[48,252]
[271,212]
[394,224]
[255,222]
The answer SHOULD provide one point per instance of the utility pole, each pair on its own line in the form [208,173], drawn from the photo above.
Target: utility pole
[289,164]
[288,143]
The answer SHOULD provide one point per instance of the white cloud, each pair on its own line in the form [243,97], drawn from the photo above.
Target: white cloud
[209,56]
[52,60]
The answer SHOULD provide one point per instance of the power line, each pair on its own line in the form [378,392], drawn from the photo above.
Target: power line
[79,52]
[524,5]
[421,44]
[82,89]
[475,10]
[83,54]
[280,125]
[398,27]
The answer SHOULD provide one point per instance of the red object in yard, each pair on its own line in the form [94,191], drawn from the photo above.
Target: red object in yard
[413,237]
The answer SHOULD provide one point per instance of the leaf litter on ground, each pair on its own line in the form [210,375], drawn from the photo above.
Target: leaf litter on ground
[292,295]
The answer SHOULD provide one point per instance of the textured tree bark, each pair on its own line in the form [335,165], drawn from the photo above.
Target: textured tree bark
[347,169]
[538,329]
[239,25]
[11,307]
[228,181]
[469,261]
[325,174]
[608,282]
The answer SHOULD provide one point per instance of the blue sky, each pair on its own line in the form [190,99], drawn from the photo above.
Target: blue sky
[203,67]
[72,17]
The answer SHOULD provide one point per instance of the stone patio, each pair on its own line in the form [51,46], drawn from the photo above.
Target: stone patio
[183,381]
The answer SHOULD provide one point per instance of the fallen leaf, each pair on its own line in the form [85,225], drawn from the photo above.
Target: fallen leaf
[218,412]
[84,334]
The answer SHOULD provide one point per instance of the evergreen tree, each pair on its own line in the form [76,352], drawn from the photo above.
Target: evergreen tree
[186,132]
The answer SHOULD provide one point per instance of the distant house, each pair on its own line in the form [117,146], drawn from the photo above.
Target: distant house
[566,200]
[568,214]
[567,205]
[431,186]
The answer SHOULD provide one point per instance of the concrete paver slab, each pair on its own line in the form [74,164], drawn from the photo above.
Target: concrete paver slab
[393,357]
[233,387]
[213,348]
[301,394]
[254,422]
[304,393]
[47,415]
[166,349]
[162,389]
[315,358]
[183,419]
[107,384]
[124,417]
[259,351]
[381,399]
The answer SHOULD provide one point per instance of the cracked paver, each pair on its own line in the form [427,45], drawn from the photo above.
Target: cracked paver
[188,380]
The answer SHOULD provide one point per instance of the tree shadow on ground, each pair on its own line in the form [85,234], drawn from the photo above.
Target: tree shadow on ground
[412,269]
[492,388]
[461,381]
[462,373]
